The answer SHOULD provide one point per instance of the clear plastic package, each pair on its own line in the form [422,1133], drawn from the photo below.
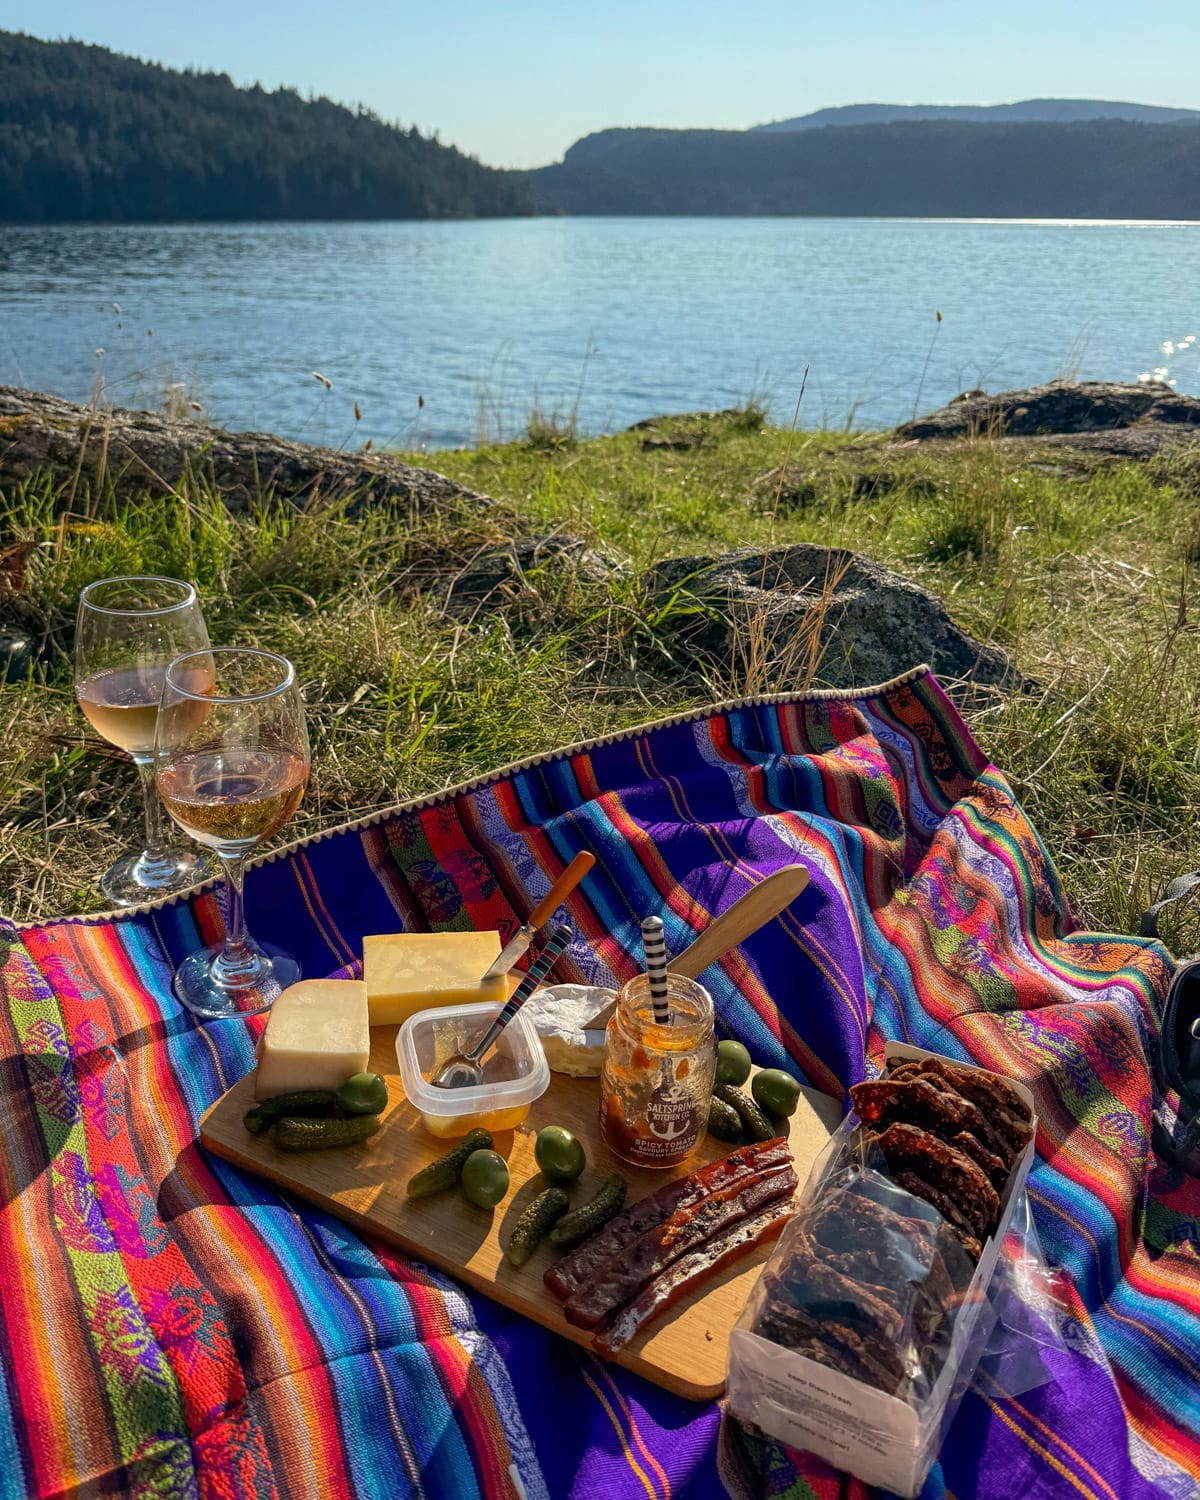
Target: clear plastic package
[872,1315]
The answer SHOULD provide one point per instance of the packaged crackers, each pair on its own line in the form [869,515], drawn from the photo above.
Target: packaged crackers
[867,1323]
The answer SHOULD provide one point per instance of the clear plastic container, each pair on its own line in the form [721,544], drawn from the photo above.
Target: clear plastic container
[515,1072]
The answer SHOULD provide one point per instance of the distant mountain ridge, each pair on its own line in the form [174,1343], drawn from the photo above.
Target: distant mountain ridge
[87,135]
[1025,111]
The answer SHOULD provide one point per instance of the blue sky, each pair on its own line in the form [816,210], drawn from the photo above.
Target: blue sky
[516,83]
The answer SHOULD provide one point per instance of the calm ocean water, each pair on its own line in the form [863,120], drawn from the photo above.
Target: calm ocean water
[619,318]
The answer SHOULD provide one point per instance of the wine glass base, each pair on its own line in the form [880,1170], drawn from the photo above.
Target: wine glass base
[141,877]
[199,990]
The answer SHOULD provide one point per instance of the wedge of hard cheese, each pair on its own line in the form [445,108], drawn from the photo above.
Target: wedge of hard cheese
[317,1036]
[409,971]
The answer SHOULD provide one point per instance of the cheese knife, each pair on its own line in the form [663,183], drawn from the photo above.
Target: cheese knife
[540,914]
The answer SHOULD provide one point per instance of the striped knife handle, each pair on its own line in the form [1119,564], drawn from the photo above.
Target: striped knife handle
[655,947]
[536,972]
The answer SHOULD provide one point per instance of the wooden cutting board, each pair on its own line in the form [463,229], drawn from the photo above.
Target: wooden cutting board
[684,1349]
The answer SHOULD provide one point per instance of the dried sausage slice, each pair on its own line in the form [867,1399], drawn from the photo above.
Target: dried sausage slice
[582,1264]
[623,1278]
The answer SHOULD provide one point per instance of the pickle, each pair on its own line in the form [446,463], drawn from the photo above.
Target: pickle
[581,1223]
[534,1224]
[445,1172]
[309,1104]
[754,1122]
[292,1134]
[724,1121]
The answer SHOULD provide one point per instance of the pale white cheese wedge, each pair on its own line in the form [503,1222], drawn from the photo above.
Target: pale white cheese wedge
[560,1014]
[317,1036]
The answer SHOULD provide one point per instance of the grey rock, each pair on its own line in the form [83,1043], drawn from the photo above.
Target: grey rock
[679,442]
[877,624]
[17,651]
[136,451]
[1142,440]
[1084,414]
[1182,409]
[497,579]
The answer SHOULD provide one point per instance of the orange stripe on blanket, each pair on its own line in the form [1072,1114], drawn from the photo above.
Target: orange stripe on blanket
[1055,1463]
[624,1441]
[659,1472]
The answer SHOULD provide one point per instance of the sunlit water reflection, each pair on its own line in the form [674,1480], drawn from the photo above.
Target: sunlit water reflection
[446,333]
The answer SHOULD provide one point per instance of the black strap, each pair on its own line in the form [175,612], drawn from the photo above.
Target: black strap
[1182,1150]
[1176,1050]
[1178,888]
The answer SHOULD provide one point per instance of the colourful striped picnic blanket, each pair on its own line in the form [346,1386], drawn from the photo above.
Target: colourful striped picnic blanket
[170,1326]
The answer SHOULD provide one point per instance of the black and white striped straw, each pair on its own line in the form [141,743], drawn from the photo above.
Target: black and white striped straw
[655,948]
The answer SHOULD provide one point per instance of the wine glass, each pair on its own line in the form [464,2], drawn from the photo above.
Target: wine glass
[231,763]
[127,632]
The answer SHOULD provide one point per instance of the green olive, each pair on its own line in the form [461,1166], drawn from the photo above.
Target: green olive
[559,1154]
[776,1093]
[363,1094]
[484,1179]
[733,1063]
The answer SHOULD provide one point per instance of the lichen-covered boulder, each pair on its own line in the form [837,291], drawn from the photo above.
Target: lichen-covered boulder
[868,623]
[139,451]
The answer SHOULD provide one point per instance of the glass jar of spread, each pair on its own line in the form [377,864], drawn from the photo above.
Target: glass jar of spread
[657,1081]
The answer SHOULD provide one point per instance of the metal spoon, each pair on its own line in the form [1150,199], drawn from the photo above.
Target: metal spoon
[463,1069]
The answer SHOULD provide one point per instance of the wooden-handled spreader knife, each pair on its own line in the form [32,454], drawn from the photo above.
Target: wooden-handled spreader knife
[748,913]
[541,914]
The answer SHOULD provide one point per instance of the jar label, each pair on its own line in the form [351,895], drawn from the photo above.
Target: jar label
[671,1116]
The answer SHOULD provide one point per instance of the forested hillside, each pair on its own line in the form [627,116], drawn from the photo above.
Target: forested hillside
[1100,169]
[86,134]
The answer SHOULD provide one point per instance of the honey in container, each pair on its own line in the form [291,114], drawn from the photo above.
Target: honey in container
[657,1081]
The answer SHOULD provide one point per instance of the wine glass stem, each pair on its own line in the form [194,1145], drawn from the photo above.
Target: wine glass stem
[236,954]
[156,844]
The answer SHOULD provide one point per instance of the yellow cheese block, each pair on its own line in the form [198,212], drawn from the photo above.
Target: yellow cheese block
[409,971]
[317,1036]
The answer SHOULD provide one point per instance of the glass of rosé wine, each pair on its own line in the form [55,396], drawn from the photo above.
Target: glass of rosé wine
[231,765]
[127,632]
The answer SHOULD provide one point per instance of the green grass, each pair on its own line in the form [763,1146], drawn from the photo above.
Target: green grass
[1084,569]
